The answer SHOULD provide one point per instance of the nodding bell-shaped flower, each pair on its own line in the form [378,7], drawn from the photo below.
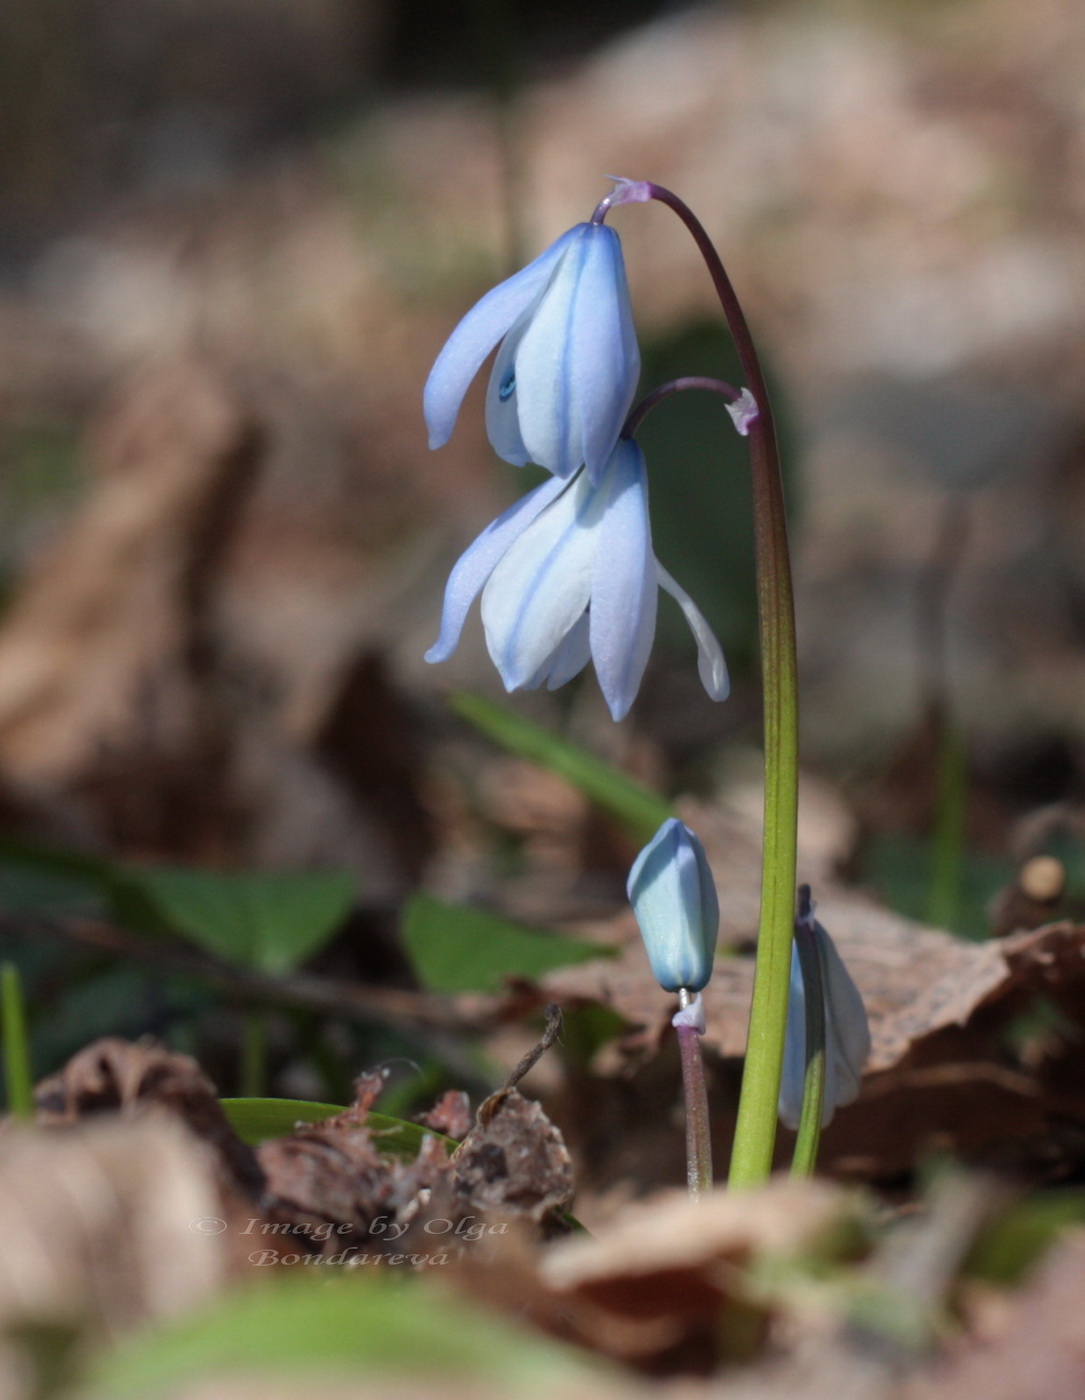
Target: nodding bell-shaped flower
[568,576]
[847,1032]
[568,366]
[674,899]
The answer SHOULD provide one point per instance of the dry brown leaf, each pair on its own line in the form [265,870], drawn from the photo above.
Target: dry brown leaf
[1040,1354]
[384,1385]
[104,626]
[660,1286]
[514,1161]
[451,1115]
[670,1233]
[111,1076]
[332,1173]
[104,1225]
[328,1187]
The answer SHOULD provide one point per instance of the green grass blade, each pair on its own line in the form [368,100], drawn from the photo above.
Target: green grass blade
[18,1076]
[638,808]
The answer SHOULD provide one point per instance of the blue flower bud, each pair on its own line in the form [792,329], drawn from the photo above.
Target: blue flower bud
[674,899]
[847,1031]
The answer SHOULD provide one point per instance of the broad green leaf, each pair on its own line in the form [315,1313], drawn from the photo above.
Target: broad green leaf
[316,1322]
[271,922]
[639,809]
[454,948]
[256,1120]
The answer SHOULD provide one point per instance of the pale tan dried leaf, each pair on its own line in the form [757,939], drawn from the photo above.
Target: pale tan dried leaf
[671,1233]
[383,1386]
[111,1075]
[657,1288]
[105,1225]
[1041,1352]
[100,629]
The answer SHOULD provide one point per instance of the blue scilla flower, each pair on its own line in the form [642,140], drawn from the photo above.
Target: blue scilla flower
[567,370]
[674,899]
[847,1031]
[567,576]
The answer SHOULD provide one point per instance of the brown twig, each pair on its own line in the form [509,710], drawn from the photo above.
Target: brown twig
[436,1020]
[535,1054]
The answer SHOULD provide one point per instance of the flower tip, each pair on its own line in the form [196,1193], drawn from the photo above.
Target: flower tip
[744,412]
[715,677]
[629,191]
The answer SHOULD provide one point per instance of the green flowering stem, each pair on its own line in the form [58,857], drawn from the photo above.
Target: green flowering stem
[755,1135]
[805,1156]
[18,1077]
[695,1092]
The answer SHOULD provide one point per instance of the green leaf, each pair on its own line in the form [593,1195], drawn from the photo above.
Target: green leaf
[352,1326]
[256,1120]
[900,869]
[458,949]
[270,922]
[1007,1248]
[45,879]
[638,808]
[586,1029]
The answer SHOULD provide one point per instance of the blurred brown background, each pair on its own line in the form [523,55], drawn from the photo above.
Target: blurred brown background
[233,234]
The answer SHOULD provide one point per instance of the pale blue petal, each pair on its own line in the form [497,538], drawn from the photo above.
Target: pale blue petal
[480,559]
[546,389]
[539,590]
[572,655]
[502,403]
[577,364]
[604,358]
[847,1028]
[847,1036]
[674,899]
[711,666]
[478,333]
[624,593]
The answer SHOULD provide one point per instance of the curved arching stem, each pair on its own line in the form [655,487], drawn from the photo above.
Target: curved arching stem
[755,1135]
